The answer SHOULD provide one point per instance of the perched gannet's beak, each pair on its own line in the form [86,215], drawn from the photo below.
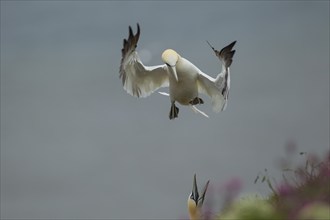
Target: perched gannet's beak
[201,199]
[195,202]
[194,194]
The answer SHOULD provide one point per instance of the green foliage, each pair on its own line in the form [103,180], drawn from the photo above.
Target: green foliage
[250,208]
[316,210]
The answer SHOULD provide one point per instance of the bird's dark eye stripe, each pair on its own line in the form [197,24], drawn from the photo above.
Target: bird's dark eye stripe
[169,65]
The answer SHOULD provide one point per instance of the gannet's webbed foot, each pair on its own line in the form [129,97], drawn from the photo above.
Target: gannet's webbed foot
[174,111]
[196,101]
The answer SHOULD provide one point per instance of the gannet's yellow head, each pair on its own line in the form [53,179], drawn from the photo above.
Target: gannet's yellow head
[195,202]
[170,58]
[193,210]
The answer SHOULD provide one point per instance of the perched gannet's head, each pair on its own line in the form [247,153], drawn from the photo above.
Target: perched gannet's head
[170,58]
[195,202]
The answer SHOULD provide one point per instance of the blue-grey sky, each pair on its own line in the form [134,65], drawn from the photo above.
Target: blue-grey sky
[74,144]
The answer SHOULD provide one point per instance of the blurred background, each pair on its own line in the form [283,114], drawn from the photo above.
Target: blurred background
[74,144]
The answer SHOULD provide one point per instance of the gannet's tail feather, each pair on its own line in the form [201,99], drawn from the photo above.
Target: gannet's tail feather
[164,93]
[196,110]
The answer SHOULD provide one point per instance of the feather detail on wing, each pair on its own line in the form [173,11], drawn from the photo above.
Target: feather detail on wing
[218,88]
[139,80]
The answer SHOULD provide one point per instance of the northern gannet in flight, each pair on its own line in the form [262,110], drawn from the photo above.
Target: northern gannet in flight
[184,79]
[195,202]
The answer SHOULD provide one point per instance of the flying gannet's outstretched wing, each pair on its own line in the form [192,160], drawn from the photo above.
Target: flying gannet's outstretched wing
[139,80]
[218,88]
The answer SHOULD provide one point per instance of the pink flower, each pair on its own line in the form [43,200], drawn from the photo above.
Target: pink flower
[284,190]
[234,185]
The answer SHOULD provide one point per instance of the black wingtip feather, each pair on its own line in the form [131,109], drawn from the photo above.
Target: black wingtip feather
[131,41]
[226,54]
[228,48]
[130,32]
[138,29]
[129,46]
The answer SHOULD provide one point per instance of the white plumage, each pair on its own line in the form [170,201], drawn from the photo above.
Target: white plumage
[184,79]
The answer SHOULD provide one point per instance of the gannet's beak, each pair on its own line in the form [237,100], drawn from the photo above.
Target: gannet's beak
[173,71]
[194,194]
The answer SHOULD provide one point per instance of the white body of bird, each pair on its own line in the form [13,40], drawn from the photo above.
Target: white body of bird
[185,89]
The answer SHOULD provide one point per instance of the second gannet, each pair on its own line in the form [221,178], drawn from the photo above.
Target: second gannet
[195,202]
[184,79]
